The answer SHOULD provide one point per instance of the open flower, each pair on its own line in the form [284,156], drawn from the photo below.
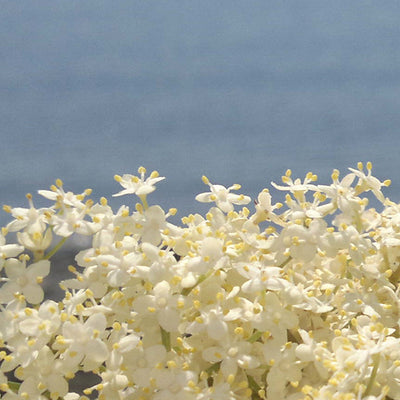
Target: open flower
[8,250]
[31,219]
[24,280]
[83,342]
[222,196]
[369,182]
[163,304]
[135,185]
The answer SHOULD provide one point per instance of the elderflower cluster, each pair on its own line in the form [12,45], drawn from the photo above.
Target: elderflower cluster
[294,301]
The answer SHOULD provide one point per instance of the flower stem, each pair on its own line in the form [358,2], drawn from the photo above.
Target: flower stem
[202,278]
[285,262]
[166,339]
[255,336]
[214,368]
[376,359]
[14,386]
[254,386]
[55,248]
[144,201]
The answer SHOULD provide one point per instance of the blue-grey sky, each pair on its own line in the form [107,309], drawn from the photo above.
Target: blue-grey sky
[236,90]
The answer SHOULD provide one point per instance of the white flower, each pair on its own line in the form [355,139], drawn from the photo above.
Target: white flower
[369,182]
[65,199]
[84,342]
[42,322]
[265,209]
[24,280]
[30,219]
[141,363]
[222,196]
[150,224]
[72,220]
[29,387]
[232,355]
[174,383]
[48,370]
[341,193]
[8,250]
[285,369]
[8,319]
[297,187]
[23,351]
[112,383]
[122,343]
[163,304]
[212,320]
[312,351]
[301,241]
[36,241]
[259,277]
[135,185]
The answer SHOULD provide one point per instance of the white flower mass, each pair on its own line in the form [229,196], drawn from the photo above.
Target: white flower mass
[294,301]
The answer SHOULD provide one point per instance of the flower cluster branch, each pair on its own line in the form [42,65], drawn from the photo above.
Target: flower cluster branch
[294,301]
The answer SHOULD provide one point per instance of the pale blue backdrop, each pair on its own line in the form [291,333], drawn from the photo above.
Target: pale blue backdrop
[236,90]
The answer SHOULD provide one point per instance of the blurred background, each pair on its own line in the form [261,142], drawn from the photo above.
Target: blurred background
[236,90]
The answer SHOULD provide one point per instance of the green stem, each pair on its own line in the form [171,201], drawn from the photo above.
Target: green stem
[214,368]
[166,339]
[144,201]
[254,386]
[376,359]
[55,248]
[201,279]
[255,336]
[14,386]
[285,262]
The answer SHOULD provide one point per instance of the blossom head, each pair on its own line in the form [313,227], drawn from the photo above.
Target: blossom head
[138,185]
[219,309]
[222,196]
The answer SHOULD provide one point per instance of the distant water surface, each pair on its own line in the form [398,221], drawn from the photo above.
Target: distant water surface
[238,91]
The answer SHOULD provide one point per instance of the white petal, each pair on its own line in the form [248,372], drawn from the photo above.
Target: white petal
[96,350]
[213,354]
[217,329]
[29,327]
[41,268]
[97,321]
[124,192]
[204,197]
[169,319]
[34,293]
[48,194]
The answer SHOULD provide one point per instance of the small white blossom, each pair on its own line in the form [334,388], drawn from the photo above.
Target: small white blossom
[139,186]
[30,219]
[222,196]
[369,182]
[24,280]
[8,250]
[84,342]
[163,304]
